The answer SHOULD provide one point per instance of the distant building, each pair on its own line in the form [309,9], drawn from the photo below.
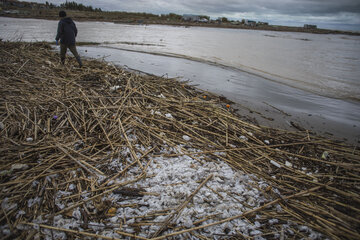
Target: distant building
[309,26]
[204,20]
[191,18]
[263,23]
[250,23]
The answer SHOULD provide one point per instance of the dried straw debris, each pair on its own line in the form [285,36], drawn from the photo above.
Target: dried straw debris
[80,148]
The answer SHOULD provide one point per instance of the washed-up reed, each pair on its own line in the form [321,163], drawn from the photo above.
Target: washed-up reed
[56,119]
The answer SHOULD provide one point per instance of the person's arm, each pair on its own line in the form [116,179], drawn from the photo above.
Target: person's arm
[59,31]
[75,30]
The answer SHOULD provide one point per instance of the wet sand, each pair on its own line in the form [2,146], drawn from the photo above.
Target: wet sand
[257,99]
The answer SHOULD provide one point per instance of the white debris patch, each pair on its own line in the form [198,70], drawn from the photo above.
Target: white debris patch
[228,193]
[114,88]
[275,163]
[168,115]
[172,192]
[7,205]
[288,164]
[186,138]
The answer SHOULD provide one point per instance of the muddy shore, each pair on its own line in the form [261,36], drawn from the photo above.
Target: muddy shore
[276,108]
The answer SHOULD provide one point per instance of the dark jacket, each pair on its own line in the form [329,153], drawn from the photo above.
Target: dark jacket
[66,31]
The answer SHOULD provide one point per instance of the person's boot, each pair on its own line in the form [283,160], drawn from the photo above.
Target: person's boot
[79,61]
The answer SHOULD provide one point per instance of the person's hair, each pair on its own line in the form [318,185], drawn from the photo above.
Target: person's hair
[62,14]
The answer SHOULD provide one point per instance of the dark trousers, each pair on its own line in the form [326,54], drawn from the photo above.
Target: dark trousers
[63,49]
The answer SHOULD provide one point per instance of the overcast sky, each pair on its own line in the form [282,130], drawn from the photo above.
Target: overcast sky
[284,12]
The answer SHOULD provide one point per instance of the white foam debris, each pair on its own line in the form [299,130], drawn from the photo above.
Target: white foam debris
[48,178]
[96,226]
[152,112]
[19,166]
[76,213]
[255,232]
[33,201]
[186,138]
[169,182]
[161,96]
[34,183]
[7,206]
[168,115]
[114,88]
[29,139]
[243,138]
[20,213]
[288,164]
[273,221]
[5,230]
[72,187]
[220,153]
[267,142]
[275,163]
[176,178]
[60,222]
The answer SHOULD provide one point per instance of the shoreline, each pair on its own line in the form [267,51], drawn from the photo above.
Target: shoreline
[272,117]
[275,28]
[264,113]
[106,147]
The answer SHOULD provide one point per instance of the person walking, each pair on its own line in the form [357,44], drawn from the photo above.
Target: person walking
[67,33]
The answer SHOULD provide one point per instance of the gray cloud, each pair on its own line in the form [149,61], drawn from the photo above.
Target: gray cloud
[346,11]
[299,7]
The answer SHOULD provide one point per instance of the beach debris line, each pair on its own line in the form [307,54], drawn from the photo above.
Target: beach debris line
[115,155]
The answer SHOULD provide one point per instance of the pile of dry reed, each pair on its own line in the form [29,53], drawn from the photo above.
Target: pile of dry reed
[55,119]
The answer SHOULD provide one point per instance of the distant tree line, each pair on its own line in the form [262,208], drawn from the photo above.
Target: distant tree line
[50,5]
[80,7]
[74,6]
[171,16]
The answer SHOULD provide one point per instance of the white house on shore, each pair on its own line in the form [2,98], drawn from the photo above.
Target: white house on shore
[194,18]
